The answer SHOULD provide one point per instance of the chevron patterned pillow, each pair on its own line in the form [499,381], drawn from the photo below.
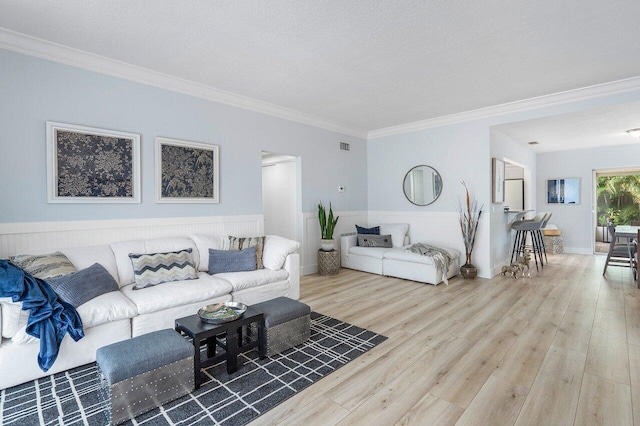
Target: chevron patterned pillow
[158,268]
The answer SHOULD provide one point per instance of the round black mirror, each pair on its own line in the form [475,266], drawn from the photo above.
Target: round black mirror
[422,185]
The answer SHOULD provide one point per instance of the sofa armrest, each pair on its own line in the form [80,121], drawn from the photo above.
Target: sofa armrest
[346,242]
[292,266]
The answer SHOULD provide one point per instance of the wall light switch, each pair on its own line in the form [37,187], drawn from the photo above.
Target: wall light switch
[341,188]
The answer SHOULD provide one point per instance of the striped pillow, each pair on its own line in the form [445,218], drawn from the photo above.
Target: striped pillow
[240,243]
[157,268]
[44,266]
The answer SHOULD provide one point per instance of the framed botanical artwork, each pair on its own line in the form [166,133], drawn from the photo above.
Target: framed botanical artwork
[498,181]
[563,191]
[187,172]
[91,165]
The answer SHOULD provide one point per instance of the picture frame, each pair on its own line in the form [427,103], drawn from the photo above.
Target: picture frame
[187,172]
[92,165]
[563,191]
[498,180]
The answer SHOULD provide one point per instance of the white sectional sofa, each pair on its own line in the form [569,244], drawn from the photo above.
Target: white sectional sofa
[395,261]
[126,313]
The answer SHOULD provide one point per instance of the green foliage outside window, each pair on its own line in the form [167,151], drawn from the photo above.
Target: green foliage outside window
[618,199]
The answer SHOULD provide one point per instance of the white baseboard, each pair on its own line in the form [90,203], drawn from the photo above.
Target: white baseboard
[578,250]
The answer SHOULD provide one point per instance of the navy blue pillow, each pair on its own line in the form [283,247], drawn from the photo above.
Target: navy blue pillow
[232,260]
[368,231]
[84,285]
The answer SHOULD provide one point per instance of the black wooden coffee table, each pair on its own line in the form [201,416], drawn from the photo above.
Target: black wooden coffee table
[212,335]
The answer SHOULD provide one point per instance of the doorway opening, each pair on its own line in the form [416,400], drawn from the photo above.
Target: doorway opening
[281,195]
[517,186]
[617,202]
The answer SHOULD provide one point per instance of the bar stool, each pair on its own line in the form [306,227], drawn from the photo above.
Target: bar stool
[529,228]
[547,216]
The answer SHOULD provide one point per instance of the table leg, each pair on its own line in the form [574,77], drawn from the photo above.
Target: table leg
[197,374]
[211,346]
[262,340]
[232,350]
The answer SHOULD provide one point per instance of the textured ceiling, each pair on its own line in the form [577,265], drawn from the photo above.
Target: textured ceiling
[361,63]
[598,127]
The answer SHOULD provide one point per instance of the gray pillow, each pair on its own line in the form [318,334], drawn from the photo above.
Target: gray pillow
[84,285]
[232,260]
[375,241]
[367,231]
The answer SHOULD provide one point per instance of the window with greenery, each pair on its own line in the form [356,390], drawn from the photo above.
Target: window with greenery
[618,199]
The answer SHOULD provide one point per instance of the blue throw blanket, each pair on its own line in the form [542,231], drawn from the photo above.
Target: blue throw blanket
[49,318]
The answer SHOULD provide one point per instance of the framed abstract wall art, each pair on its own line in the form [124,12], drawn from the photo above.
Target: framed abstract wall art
[187,172]
[91,165]
[563,191]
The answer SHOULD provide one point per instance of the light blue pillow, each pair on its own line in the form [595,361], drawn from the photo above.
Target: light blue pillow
[232,260]
[84,285]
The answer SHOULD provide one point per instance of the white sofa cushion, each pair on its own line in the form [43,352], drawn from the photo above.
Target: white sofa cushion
[276,250]
[397,231]
[376,252]
[13,317]
[83,257]
[122,249]
[249,279]
[206,242]
[108,307]
[168,295]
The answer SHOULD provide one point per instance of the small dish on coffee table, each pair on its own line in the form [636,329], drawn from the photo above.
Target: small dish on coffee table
[219,313]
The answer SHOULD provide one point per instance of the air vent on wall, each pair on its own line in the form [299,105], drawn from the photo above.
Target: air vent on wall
[533,143]
[344,146]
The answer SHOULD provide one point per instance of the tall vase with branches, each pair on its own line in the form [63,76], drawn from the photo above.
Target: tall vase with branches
[469,217]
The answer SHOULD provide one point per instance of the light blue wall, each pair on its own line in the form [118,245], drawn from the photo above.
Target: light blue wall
[454,151]
[576,220]
[33,91]
[459,152]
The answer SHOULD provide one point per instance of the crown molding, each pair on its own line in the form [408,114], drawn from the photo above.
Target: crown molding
[40,48]
[37,47]
[611,88]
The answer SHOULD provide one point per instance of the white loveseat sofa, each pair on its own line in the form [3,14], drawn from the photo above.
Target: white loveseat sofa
[395,261]
[126,313]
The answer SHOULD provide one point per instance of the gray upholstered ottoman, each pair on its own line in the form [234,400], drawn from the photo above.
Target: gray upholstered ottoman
[145,372]
[287,323]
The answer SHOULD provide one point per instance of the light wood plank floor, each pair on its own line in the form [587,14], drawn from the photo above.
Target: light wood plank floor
[560,348]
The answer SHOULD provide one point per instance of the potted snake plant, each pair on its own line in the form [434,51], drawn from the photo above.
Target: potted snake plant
[327,226]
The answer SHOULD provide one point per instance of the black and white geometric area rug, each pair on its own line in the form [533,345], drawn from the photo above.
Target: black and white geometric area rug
[72,398]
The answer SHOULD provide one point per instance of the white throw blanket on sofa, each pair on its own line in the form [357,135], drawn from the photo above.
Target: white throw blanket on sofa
[440,257]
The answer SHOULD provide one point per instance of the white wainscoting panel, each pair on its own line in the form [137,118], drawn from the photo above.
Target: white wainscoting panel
[429,227]
[21,238]
[440,228]
[311,245]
